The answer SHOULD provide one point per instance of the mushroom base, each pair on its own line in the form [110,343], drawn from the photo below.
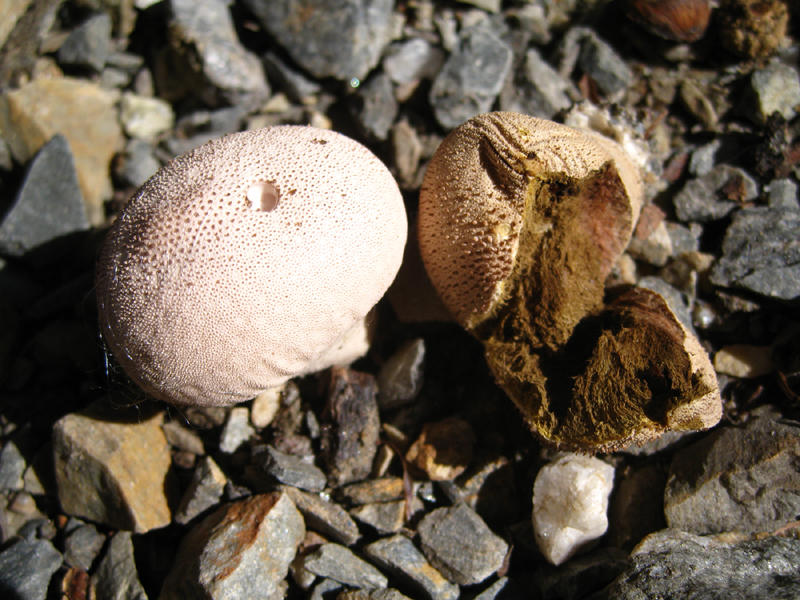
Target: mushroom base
[585,376]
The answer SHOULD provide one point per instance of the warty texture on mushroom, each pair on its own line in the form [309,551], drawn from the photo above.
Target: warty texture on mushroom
[247,261]
[520,222]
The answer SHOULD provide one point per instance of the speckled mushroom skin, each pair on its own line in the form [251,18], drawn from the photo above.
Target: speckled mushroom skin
[520,222]
[243,262]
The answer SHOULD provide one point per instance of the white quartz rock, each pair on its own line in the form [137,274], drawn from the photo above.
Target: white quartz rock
[570,500]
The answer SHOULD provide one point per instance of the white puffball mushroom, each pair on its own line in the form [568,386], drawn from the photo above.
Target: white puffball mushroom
[248,261]
[570,500]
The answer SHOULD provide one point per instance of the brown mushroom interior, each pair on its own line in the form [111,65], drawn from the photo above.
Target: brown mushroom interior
[584,375]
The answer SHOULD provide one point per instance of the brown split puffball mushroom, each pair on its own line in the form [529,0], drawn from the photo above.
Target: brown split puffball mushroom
[247,261]
[520,223]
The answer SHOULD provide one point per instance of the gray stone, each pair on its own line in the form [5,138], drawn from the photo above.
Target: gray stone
[12,467]
[488,487]
[292,82]
[702,159]
[116,577]
[775,88]
[655,249]
[82,544]
[387,594]
[460,545]
[744,479]
[714,195]
[471,78]
[204,491]
[337,562]
[98,459]
[672,296]
[324,589]
[384,517]
[384,489]
[333,38]
[399,556]
[600,61]
[138,163]
[49,204]
[26,568]
[681,566]
[536,88]
[411,60]
[581,576]
[400,377]
[241,550]
[407,152]
[289,469]
[683,239]
[237,430]
[205,32]
[325,517]
[376,107]
[760,253]
[498,590]
[88,45]
[351,426]
[783,194]
[637,505]
[182,438]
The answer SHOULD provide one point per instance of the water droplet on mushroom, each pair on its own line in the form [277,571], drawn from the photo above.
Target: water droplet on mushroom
[263,196]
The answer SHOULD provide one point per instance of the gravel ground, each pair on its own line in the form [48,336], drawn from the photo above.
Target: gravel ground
[409,474]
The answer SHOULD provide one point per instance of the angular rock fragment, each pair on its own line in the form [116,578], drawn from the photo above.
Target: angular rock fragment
[682,566]
[325,517]
[715,194]
[237,430]
[350,426]
[89,44]
[460,545]
[289,469]
[82,544]
[204,491]
[116,576]
[384,517]
[110,472]
[536,88]
[570,500]
[400,377]
[387,594]
[340,564]
[26,567]
[384,489]
[399,556]
[443,449]
[736,479]
[760,253]
[340,38]
[242,550]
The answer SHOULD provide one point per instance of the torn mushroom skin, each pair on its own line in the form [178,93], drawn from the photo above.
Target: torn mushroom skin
[252,259]
[520,223]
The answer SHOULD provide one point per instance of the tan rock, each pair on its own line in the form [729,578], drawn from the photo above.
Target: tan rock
[444,449]
[113,471]
[743,360]
[83,113]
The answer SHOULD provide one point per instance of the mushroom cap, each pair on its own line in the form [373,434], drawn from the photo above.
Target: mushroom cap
[473,198]
[247,261]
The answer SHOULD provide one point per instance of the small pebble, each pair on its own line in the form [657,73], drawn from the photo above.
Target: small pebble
[382,489]
[88,45]
[26,567]
[383,517]
[265,406]
[204,491]
[337,562]
[325,517]
[776,88]
[181,438]
[400,377]
[116,575]
[82,545]
[744,360]
[443,449]
[237,430]
[289,469]
[145,118]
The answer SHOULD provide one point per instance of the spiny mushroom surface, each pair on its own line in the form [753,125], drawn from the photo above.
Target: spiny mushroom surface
[248,261]
[520,223]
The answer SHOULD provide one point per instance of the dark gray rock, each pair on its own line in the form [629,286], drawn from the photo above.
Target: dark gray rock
[672,296]
[375,106]
[760,253]
[297,87]
[581,576]
[683,239]
[600,61]
[743,479]
[116,577]
[49,204]
[384,517]
[211,51]
[637,505]
[241,550]
[714,195]
[137,163]
[340,564]
[82,544]
[460,545]
[350,426]
[488,487]
[12,467]
[387,594]
[88,45]
[324,589]
[472,76]
[289,469]
[783,194]
[26,567]
[400,377]
[681,566]
[400,557]
[325,517]
[411,60]
[329,38]
[775,88]
[499,590]
[536,88]
[204,491]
